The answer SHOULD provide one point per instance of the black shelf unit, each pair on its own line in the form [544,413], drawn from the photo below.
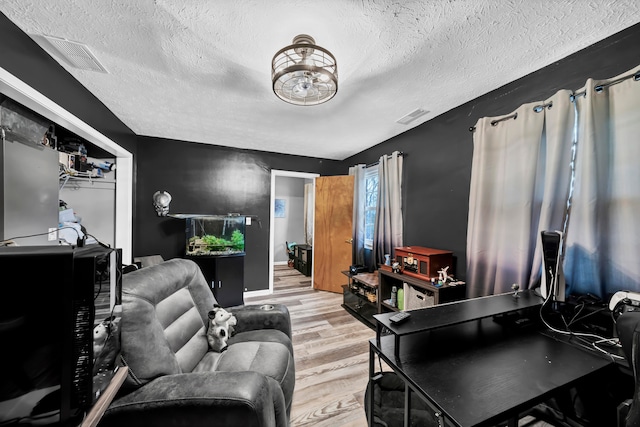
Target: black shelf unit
[302,259]
[356,299]
[225,276]
[442,294]
[365,293]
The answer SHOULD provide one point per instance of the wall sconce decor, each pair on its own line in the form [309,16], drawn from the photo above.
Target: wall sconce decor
[161,200]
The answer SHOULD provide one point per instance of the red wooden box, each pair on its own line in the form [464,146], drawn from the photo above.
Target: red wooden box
[423,263]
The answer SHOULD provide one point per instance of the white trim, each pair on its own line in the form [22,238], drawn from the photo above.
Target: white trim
[34,100]
[260,293]
[292,174]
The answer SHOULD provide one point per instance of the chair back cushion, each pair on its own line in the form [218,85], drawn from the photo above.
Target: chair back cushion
[164,319]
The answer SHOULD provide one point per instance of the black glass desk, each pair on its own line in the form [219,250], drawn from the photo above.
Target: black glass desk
[474,371]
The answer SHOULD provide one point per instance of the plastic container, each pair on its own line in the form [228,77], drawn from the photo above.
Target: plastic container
[401,299]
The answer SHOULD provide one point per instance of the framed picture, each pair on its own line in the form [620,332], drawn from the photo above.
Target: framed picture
[280,208]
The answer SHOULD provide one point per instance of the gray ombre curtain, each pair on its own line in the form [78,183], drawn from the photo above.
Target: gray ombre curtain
[519,186]
[388,229]
[358,171]
[603,238]
[574,166]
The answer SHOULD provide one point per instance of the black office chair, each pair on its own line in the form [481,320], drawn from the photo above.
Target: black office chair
[291,252]
[628,327]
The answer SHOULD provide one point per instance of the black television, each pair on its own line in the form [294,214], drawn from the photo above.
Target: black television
[47,316]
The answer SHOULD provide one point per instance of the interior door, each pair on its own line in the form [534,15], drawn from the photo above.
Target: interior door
[333,232]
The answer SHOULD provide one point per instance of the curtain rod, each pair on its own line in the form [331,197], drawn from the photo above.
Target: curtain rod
[539,108]
[400,153]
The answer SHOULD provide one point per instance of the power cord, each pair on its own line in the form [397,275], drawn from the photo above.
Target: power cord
[80,242]
[580,335]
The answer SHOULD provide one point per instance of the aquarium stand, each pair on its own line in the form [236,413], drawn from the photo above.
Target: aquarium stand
[225,276]
[216,244]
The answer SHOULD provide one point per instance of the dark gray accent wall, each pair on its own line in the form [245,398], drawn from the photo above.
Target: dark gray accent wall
[437,163]
[209,179]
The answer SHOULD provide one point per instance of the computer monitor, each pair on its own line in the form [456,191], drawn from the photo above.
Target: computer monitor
[553,283]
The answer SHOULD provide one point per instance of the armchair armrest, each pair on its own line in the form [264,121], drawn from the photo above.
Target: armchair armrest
[201,399]
[266,316]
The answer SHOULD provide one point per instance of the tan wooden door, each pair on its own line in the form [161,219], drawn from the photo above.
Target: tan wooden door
[332,232]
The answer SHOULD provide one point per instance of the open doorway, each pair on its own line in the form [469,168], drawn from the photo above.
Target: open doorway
[24,94]
[288,188]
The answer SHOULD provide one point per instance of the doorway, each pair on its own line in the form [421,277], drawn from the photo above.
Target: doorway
[277,245]
[24,94]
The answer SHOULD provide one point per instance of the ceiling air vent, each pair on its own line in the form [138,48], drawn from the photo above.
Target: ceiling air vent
[412,116]
[76,54]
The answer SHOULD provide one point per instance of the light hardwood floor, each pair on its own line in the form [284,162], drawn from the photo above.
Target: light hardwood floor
[331,354]
[330,349]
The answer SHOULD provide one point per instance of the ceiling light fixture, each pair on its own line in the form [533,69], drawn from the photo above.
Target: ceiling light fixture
[303,73]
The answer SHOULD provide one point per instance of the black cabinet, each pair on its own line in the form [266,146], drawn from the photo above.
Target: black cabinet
[302,259]
[360,296]
[225,276]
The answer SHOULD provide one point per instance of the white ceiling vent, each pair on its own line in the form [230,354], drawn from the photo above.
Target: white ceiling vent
[76,54]
[405,120]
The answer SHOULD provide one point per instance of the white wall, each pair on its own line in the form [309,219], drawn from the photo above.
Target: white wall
[291,227]
[94,201]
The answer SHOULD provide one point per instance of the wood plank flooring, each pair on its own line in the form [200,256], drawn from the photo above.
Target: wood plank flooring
[331,353]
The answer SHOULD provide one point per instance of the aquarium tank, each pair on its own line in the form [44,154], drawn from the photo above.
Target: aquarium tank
[209,235]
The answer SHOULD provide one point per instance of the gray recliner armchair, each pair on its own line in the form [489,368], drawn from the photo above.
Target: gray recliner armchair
[175,379]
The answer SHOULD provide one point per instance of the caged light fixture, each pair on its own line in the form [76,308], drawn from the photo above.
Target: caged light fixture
[303,73]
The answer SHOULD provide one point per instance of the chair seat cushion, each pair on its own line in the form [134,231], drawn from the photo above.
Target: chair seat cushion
[262,335]
[272,359]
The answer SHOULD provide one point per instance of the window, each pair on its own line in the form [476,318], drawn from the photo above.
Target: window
[370,203]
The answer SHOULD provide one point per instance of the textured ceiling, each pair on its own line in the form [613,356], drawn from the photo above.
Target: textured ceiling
[199,70]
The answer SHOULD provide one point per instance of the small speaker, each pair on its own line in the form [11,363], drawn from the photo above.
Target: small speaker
[552,275]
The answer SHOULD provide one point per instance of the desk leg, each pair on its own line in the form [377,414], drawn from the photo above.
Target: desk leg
[407,405]
[370,401]
[396,349]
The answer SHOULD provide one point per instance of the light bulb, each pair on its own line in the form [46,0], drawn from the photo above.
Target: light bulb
[304,87]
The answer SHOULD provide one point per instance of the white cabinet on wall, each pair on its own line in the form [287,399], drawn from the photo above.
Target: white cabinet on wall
[28,186]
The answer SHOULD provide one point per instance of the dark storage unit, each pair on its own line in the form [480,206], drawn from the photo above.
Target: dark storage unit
[360,297]
[439,295]
[367,294]
[225,276]
[302,260]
